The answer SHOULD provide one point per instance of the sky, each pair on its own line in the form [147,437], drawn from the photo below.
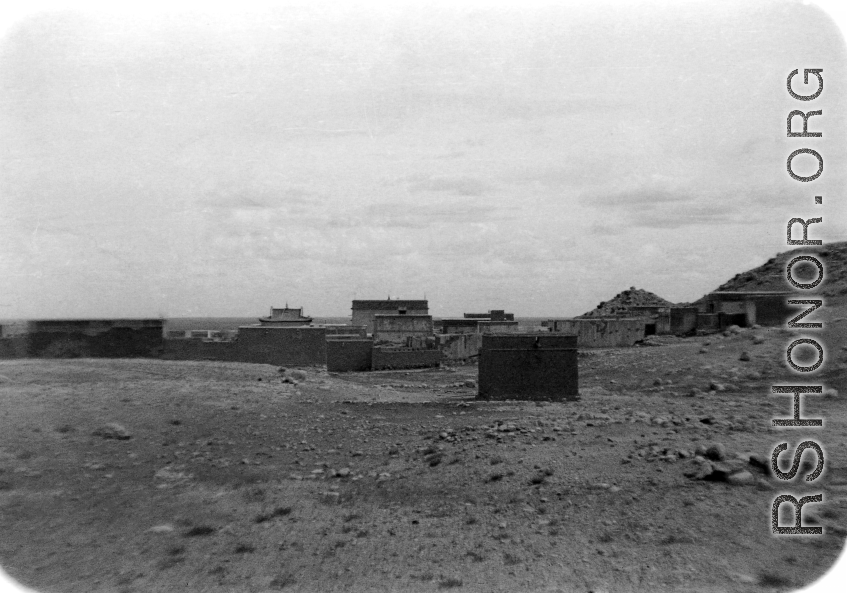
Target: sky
[181,161]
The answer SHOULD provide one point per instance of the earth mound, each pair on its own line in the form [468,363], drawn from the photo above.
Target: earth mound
[622,302]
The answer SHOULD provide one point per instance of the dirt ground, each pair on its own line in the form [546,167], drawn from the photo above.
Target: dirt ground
[238,477]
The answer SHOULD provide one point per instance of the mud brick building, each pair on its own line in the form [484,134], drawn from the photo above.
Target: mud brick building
[409,330]
[768,308]
[364,311]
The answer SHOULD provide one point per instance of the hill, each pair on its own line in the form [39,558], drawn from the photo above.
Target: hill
[623,301]
[771,274]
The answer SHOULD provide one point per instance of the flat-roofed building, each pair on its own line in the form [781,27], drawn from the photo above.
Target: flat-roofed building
[365,310]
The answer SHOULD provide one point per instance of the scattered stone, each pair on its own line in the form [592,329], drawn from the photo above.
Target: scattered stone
[700,469]
[741,478]
[199,530]
[761,463]
[112,430]
[716,452]
[298,375]
[330,497]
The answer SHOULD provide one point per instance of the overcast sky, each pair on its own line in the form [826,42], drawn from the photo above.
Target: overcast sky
[534,159]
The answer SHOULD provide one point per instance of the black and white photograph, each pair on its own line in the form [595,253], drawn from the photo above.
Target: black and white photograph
[468,296]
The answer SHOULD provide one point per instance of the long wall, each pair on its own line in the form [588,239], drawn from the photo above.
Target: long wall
[293,346]
[602,332]
[404,358]
[349,355]
[101,338]
[459,346]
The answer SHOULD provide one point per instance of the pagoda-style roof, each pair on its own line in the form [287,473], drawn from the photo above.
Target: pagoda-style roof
[286,316]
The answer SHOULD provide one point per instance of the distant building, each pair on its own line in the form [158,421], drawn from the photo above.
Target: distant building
[408,330]
[364,311]
[286,317]
[747,308]
[601,332]
[493,315]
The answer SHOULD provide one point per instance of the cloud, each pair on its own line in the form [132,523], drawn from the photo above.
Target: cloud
[463,186]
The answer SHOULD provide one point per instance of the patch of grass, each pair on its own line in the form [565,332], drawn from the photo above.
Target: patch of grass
[450,583]
[277,512]
[199,530]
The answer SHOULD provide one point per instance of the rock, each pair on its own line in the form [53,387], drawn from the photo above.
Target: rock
[470,383]
[734,329]
[330,497]
[715,386]
[113,431]
[831,392]
[700,451]
[761,463]
[703,351]
[343,472]
[699,470]
[298,375]
[758,339]
[745,356]
[716,452]
[741,478]
[165,528]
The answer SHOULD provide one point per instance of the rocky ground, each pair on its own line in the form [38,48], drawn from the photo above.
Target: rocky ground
[148,475]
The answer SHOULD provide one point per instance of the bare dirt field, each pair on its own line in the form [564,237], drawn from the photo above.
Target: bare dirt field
[238,477]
